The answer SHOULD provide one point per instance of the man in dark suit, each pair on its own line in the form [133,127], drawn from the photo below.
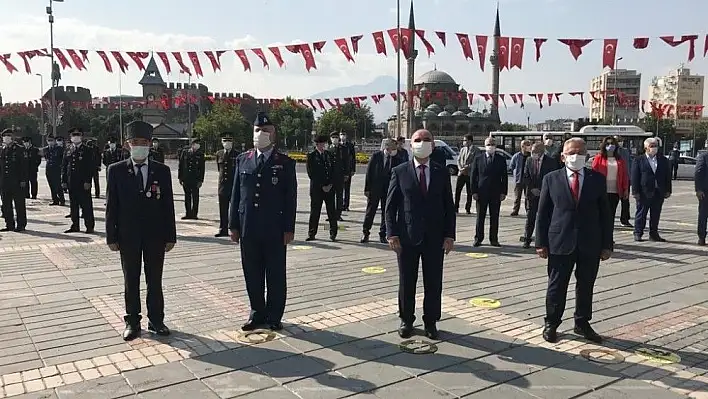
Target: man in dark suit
[573,229]
[262,219]
[321,170]
[700,181]
[112,154]
[420,223]
[378,176]
[140,223]
[33,159]
[538,165]
[342,171]
[489,186]
[402,152]
[191,176]
[78,170]
[225,164]
[156,152]
[651,185]
[92,144]
[352,169]
[13,181]
[54,156]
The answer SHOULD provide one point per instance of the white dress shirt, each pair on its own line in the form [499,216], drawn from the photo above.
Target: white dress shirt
[652,162]
[427,171]
[143,170]
[612,170]
[266,154]
[581,176]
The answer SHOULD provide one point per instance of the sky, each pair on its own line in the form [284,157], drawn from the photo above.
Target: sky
[184,25]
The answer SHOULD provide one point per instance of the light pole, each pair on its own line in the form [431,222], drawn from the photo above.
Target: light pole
[398,68]
[42,131]
[53,120]
[614,98]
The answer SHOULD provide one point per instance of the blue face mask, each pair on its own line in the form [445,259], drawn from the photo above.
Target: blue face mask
[610,147]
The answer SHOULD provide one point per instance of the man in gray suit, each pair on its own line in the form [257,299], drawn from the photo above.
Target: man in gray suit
[464,162]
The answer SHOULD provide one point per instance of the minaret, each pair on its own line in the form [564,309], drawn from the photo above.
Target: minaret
[410,106]
[494,114]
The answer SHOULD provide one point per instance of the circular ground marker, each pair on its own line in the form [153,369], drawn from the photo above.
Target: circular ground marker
[373,270]
[658,355]
[487,303]
[341,228]
[603,356]
[476,255]
[418,347]
[301,247]
[256,336]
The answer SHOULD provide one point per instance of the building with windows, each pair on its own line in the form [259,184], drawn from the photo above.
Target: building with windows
[681,90]
[617,95]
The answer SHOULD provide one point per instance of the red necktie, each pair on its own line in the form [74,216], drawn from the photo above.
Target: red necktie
[575,186]
[421,180]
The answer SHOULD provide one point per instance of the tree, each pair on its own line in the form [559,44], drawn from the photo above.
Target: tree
[294,123]
[356,121]
[21,119]
[334,120]
[222,118]
[513,127]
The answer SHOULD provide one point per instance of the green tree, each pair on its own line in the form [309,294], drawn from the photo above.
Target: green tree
[223,117]
[357,122]
[513,127]
[294,123]
[22,120]
[334,120]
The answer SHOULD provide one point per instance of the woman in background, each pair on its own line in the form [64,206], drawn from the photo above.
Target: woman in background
[609,162]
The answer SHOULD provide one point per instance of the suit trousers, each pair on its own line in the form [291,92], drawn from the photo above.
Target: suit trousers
[431,256]
[338,198]
[96,184]
[54,181]
[702,217]
[624,213]
[372,207]
[560,269]
[14,196]
[347,192]
[191,199]
[651,206]
[463,182]
[31,186]
[493,205]
[263,262]
[80,199]
[531,214]
[224,202]
[674,170]
[132,259]
[317,197]
[519,190]
[614,200]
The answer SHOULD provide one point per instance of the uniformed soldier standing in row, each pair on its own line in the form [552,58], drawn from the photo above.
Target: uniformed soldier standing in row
[342,171]
[33,159]
[54,157]
[140,223]
[348,182]
[321,171]
[78,170]
[156,153]
[191,176]
[225,163]
[93,145]
[13,180]
[262,218]
[112,154]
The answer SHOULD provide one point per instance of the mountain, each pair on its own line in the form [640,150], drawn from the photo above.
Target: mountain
[512,114]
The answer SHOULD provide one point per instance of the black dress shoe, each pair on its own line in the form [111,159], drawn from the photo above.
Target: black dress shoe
[431,331]
[588,333]
[701,242]
[495,244]
[6,229]
[364,238]
[275,326]
[656,238]
[333,237]
[186,217]
[221,234]
[160,329]
[90,231]
[626,224]
[251,325]
[638,238]
[405,330]
[550,334]
[310,238]
[67,216]
[19,229]
[131,332]
[477,243]
[72,230]
[54,204]
[383,240]
[469,212]
[527,245]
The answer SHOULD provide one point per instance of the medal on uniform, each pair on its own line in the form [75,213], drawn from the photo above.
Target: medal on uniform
[274,180]
[148,194]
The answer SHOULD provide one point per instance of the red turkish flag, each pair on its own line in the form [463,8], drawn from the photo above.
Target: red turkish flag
[355,42]
[516,57]
[482,50]
[106,61]
[379,42]
[84,55]
[691,39]
[195,62]
[122,64]
[62,59]
[214,59]
[465,44]
[165,61]
[441,36]
[428,47]
[539,42]
[575,46]
[407,42]
[308,57]
[539,98]
[317,46]
[78,62]
[609,53]
[579,93]
[399,42]
[344,48]
[5,59]
[641,42]
[183,68]
[26,57]
[260,54]
[320,103]
[138,58]
[244,59]
[503,56]
[277,55]
[293,48]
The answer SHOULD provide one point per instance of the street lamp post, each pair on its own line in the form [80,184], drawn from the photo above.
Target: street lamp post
[614,98]
[398,69]
[42,131]
[54,112]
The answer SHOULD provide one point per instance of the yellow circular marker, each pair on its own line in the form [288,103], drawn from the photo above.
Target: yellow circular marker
[341,228]
[256,337]
[603,356]
[487,303]
[301,247]
[476,255]
[658,355]
[373,270]
[418,347]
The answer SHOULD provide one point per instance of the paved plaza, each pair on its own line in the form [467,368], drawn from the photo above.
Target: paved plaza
[61,308]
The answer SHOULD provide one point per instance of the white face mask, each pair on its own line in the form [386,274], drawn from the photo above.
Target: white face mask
[26,144]
[139,152]
[393,153]
[112,146]
[6,139]
[261,139]
[51,143]
[76,139]
[535,156]
[422,149]
[60,143]
[155,144]
[652,151]
[575,162]
[195,146]
[335,141]
[548,142]
[343,138]
[227,145]
[490,149]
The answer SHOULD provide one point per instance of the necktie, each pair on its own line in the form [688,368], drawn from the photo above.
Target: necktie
[422,182]
[575,186]
[537,166]
[261,159]
[387,164]
[139,177]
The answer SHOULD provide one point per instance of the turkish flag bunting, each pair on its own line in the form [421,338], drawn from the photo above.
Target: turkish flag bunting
[594,96]
[344,48]
[320,104]
[558,97]
[138,58]
[317,46]
[260,54]
[691,39]
[514,98]
[355,42]
[62,59]
[394,96]
[481,50]
[5,59]
[641,42]
[575,46]
[705,47]
[379,42]
[195,62]
[122,63]
[277,55]
[215,64]
[609,53]
[501,97]
[312,104]
[165,61]
[407,42]
[517,52]
[465,44]
[106,61]
[339,104]
[579,93]
[84,55]
[441,36]
[470,97]
[244,59]
[293,48]
[78,62]
[183,68]
[308,57]
[428,47]
[503,56]
[26,56]
[539,42]
[539,99]
[486,97]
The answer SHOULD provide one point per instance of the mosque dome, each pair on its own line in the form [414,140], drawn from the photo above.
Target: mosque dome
[435,77]
[434,108]
[458,113]
[444,114]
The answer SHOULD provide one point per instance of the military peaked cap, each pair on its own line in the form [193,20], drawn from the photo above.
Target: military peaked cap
[7,132]
[321,139]
[111,139]
[138,130]
[262,120]
[76,131]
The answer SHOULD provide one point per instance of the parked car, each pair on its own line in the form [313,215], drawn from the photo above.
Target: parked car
[686,167]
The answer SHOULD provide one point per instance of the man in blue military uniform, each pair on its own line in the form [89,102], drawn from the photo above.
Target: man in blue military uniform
[262,219]
[140,223]
[77,172]
[321,171]
[191,176]
[225,163]
[13,180]
[54,156]
[33,159]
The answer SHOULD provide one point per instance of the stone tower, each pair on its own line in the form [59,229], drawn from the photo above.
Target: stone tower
[494,114]
[153,89]
[410,96]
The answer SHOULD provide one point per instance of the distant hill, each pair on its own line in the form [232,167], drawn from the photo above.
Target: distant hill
[380,85]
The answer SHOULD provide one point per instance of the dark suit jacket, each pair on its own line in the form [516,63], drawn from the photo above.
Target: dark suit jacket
[377,178]
[320,169]
[564,226]
[533,180]
[132,218]
[700,179]
[489,180]
[416,218]
[439,156]
[645,181]
[226,164]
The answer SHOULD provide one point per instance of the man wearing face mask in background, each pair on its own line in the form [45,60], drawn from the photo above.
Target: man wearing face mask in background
[553,150]
[489,186]
[537,167]
[156,152]
[225,164]
[140,223]
[321,171]
[93,145]
[378,175]
[402,152]
[13,181]
[33,159]
[518,167]
[468,153]
[77,172]
[342,171]
[352,168]
[573,209]
[628,155]
[112,154]
[262,219]
[54,156]
[191,176]
[651,185]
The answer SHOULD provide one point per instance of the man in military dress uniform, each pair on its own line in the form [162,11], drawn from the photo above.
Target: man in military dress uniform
[93,145]
[77,172]
[54,157]
[13,180]
[156,153]
[112,154]
[321,171]
[140,223]
[225,163]
[348,182]
[191,176]
[342,171]
[262,219]
[33,159]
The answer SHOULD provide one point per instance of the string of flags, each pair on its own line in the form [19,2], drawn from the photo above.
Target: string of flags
[511,52]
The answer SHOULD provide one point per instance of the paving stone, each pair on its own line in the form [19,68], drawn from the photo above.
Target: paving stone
[236,359]
[239,382]
[632,389]
[294,368]
[104,388]
[157,377]
[411,389]
[271,393]
[191,389]
[45,394]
